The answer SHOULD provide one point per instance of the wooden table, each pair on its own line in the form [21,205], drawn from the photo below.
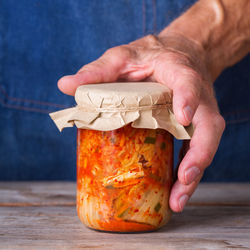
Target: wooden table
[41,215]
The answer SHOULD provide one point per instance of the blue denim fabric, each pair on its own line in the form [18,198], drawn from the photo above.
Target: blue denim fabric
[42,40]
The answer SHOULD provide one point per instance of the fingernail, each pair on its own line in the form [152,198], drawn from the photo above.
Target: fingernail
[182,201]
[188,112]
[191,174]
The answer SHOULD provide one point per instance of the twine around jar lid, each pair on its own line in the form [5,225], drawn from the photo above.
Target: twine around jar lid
[110,106]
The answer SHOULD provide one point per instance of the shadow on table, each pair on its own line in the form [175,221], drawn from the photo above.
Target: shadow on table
[208,218]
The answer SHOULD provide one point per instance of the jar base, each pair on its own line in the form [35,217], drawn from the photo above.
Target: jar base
[123,232]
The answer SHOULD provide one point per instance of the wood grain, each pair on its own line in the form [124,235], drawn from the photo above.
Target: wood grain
[37,193]
[233,194]
[59,227]
[43,216]
[63,193]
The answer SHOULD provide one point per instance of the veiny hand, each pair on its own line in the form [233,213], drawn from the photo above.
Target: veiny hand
[179,64]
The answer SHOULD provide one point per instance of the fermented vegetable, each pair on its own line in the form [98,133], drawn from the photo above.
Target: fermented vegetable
[124,178]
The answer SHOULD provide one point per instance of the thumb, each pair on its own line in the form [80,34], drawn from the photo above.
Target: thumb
[105,69]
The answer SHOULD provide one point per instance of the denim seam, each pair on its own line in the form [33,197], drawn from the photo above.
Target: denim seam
[245,116]
[49,104]
[5,98]
[19,107]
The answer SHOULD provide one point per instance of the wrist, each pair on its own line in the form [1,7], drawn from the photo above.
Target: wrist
[219,28]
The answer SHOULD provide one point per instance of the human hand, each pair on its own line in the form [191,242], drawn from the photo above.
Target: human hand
[181,65]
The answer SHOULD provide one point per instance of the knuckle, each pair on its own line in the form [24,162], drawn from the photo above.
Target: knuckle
[152,39]
[191,74]
[86,68]
[206,158]
[188,76]
[110,53]
[93,66]
[220,123]
[190,92]
[116,51]
[115,54]
[111,50]
[185,64]
[150,42]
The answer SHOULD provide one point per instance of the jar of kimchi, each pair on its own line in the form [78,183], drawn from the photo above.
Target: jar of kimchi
[124,154]
[124,178]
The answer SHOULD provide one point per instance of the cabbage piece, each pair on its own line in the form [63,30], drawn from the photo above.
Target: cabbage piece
[123,180]
[88,210]
[151,208]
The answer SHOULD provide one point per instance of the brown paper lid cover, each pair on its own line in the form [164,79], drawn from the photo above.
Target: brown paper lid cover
[110,106]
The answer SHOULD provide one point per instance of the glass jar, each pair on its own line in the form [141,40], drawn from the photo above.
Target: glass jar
[124,177]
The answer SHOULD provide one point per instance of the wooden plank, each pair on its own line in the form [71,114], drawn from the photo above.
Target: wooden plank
[63,193]
[209,194]
[42,216]
[59,228]
[37,193]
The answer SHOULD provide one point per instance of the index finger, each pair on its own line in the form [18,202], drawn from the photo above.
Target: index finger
[209,126]
[105,69]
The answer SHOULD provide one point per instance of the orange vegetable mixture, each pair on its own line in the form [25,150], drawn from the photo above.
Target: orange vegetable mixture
[124,178]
